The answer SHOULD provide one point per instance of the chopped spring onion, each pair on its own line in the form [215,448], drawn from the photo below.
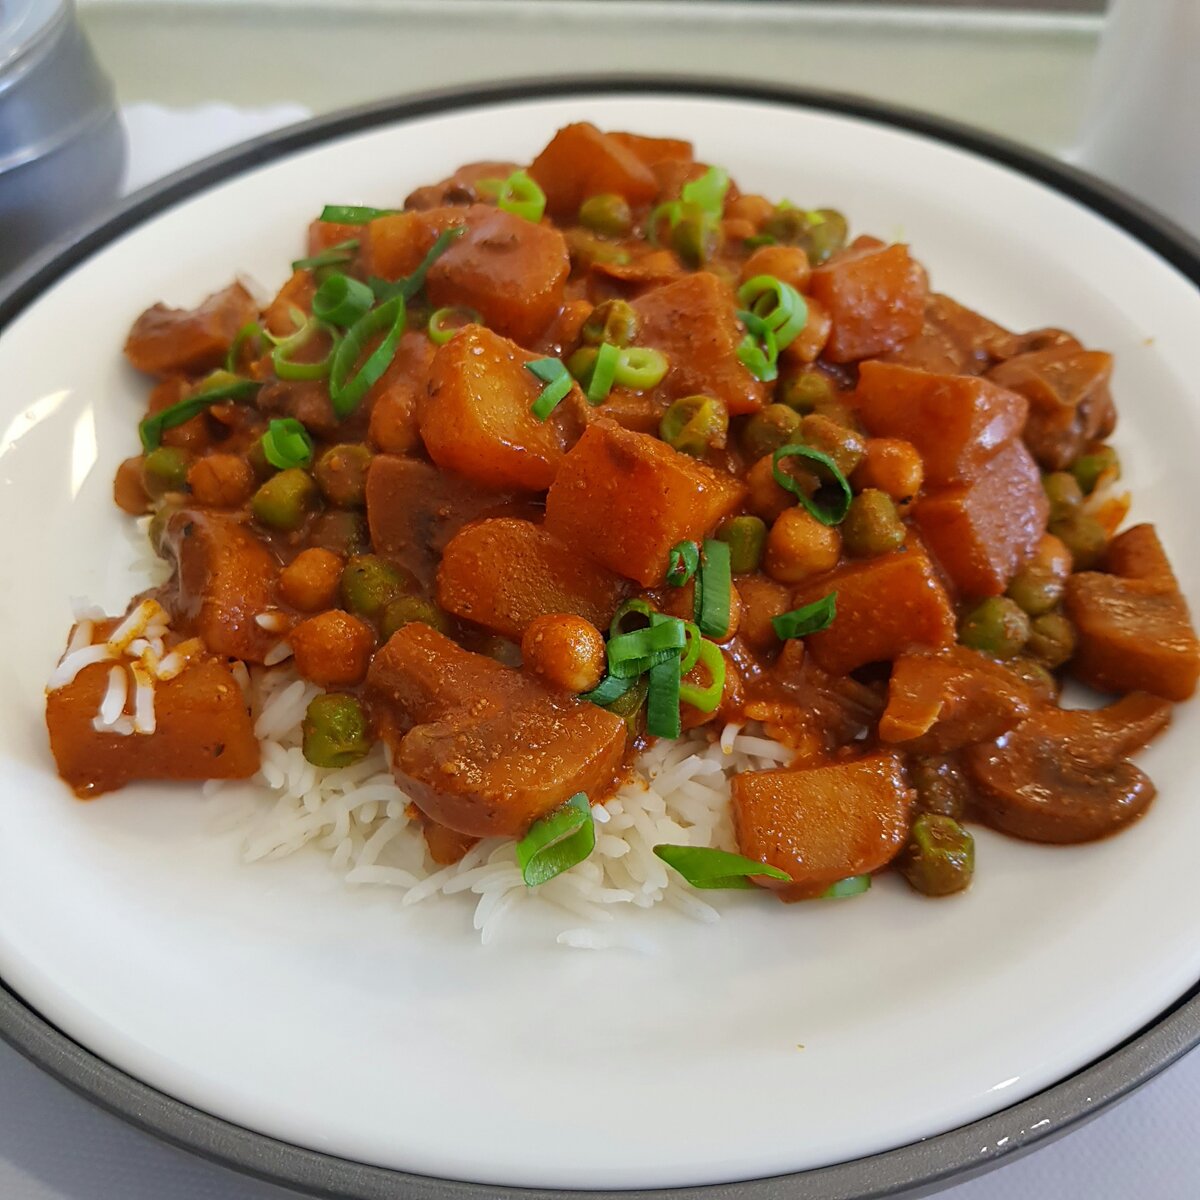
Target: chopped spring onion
[630,654]
[662,700]
[346,391]
[610,688]
[640,367]
[557,842]
[604,371]
[554,374]
[251,329]
[446,322]
[518,194]
[287,368]
[812,618]
[682,561]
[343,252]
[616,626]
[410,285]
[714,585]
[353,214]
[855,885]
[836,512]
[286,444]
[217,387]
[759,355]
[777,305]
[670,211]
[691,653]
[706,698]
[760,239]
[341,300]
[707,192]
[704,867]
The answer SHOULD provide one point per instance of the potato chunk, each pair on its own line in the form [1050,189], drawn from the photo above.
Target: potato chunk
[580,161]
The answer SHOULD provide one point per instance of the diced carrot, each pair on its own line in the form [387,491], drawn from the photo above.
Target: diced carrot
[957,422]
[982,533]
[476,418]
[651,150]
[202,731]
[820,825]
[876,298]
[1138,554]
[580,161]
[164,340]
[885,607]
[624,499]
[692,321]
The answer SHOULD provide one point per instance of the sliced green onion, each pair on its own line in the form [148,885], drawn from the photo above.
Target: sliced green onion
[706,698]
[812,618]
[835,514]
[353,214]
[610,688]
[704,867]
[707,192]
[345,391]
[519,194]
[759,358]
[286,444]
[341,300]
[410,285]
[855,885]
[630,654]
[554,374]
[759,239]
[604,371]
[777,305]
[251,329]
[714,586]
[682,561]
[634,605]
[670,211]
[557,842]
[343,252]
[640,367]
[281,357]
[691,652]
[217,387]
[446,322]
[662,700]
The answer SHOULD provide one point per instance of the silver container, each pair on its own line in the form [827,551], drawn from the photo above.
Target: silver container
[62,147]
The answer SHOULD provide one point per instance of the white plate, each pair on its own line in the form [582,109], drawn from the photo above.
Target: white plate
[783,1038]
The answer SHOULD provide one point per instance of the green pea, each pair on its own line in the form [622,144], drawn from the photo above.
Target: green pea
[335,731]
[768,429]
[582,363]
[806,391]
[872,525]
[406,609]
[586,249]
[996,626]
[694,424]
[1084,536]
[284,501]
[696,237]
[165,470]
[1088,468]
[942,788]
[369,584]
[1051,639]
[614,321]
[341,474]
[1063,492]
[841,443]
[342,530]
[1036,589]
[746,536]
[786,224]
[940,856]
[608,214]
[825,235]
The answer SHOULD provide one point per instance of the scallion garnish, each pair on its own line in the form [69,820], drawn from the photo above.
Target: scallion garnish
[704,867]
[682,560]
[662,700]
[714,585]
[346,392]
[604,371]
[778,305]
[640,367]
[670,211]
[631,654]
[557,842]
[835,513]
[610,688]
[706,698]
[353,214]
[446,322]
[708,192]
[812,618]
[343,252]
[616,626]
[759,356]
[217,387]
[855,885]
[554,374]
[519,194]
[286,444]
[341,300]
[281,357]
[410,285]
[759,239]
[251,329]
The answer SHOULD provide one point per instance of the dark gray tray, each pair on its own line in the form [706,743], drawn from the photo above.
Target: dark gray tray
[910,1171]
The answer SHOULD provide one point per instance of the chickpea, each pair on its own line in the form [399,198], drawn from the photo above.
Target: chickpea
[755,209]
[341,474]
[799,546]
[393,427]
[332,649]
[891,466]
[1038,586]
[762,600]
[807,345]
[128,491]
[566,651]
[222,480]
[310,581]
[787,263]
[767,499]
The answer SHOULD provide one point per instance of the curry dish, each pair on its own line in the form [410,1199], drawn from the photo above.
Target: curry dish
[557,460]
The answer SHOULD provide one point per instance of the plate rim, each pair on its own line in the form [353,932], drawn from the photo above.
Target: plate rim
[915,1169]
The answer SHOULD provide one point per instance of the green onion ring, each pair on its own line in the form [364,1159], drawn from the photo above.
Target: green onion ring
[682,560]
[785,318]
[640,368]
[446,322]
[286,444]
[353,214]
[707,698]
[604,371]
[334,256]
[632,605]
[827,516]
[557,842]
[251,329]
[519,194]
[705,867]
[812,618]
[346,392]
[286,368]
[341,300]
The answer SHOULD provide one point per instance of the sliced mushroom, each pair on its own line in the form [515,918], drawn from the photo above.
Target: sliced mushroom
[1062,775]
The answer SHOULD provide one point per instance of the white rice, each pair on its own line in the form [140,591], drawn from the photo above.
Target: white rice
[359,817]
